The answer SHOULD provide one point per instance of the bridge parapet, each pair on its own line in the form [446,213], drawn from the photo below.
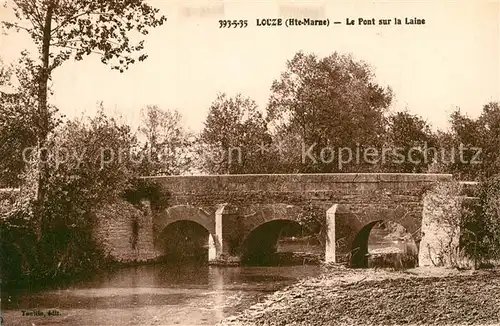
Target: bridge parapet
[342,188]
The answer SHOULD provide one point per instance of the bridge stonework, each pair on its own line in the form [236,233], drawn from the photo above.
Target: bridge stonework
[230,207]
[238,211]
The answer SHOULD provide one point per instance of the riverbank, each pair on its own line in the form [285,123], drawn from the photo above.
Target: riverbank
[378,297]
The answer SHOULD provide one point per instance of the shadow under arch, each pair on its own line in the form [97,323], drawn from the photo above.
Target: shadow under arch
[184,240]
[359,248]
[184,231]
[360,244]
[260,244]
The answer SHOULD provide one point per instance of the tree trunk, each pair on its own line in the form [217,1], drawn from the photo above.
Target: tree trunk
[43,116]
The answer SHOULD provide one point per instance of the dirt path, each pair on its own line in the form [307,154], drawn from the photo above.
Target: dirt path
[378,297]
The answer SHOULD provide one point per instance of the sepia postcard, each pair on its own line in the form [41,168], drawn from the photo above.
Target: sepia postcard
[224,162]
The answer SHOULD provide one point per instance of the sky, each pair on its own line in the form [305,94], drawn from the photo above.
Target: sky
[451,61]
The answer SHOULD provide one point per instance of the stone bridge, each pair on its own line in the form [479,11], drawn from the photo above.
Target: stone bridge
[245,213]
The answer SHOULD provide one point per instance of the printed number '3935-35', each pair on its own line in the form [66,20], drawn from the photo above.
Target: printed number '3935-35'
[233,23]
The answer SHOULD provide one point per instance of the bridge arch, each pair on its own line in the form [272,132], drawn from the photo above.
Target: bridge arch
[269,212]
[394,233]
[184,213]
[186,217]
[264,227]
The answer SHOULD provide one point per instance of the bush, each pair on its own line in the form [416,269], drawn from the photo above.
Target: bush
[63,247]
[17,241]
[139,189]
[480,237]
[58,240]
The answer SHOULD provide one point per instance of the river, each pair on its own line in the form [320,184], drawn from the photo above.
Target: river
[189,294]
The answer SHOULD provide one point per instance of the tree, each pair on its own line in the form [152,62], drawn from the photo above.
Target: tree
[73,28]
[167,146]
[15,132]
[91,162]
[489,122]
[233,137]
[481,237]
[18,119]
[412,144]
[472,144]
[93,158]
[330,102]
[282,155]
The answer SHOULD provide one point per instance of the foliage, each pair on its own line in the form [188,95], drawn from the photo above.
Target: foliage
[18,257]
[144,189]
[63,250]
[409,134]
[471,223]
[7,199]
[82,27]
[313,219]
[479,139]
[93,158]
[329,102]
[324,111]
[283,153]
[481,238]
[233,133]
[73,28]
[167,147]
[395,260]
[86,171]
[18,119]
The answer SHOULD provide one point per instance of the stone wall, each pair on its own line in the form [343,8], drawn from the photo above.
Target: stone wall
[442,207]
[126,232]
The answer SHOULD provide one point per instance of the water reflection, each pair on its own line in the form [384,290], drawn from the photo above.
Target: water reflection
[187,294]
[216,278]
